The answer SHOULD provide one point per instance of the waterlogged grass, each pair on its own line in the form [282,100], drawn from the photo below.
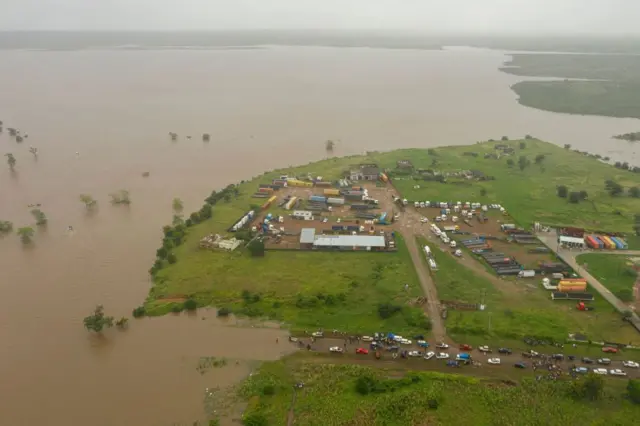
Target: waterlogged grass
[613,271]
[529,195]
[329,397]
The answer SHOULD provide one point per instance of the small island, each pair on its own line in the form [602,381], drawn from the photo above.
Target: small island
[631,137]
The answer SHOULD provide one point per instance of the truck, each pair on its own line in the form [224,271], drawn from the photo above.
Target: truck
[451,228]
[526,274]
[337,201]
[330,191]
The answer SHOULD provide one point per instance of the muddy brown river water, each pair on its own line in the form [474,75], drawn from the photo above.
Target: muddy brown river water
[265,108]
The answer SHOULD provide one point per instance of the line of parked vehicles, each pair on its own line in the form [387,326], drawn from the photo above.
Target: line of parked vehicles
[392,343]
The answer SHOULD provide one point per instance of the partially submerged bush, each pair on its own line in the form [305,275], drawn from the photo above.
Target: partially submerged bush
[139,312]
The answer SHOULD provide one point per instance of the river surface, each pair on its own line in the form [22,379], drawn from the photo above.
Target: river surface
[265,108]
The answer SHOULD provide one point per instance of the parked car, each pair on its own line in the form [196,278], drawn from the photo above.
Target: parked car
[453,364]
[362,351]
[423,344]
[520,365]
[429,355]
[418,337]
[317,334]
[604,361]
[484,349]
[631,364]
[466,347]
[601,371]
[393,348]
[617,372]
[442,345]
[406,341]
[414,353]
[610,350]
[494,361]
[442,355]
[581,370]
[587,360]
[367,339]
[336,349]
[558,357]
[571,357]
[504,351]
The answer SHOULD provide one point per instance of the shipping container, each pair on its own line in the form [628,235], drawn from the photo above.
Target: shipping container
[591,242]
[360,207]
[299,183]
[607,242]
[527,273]
[566,288]
[384,177]
[268,203]
[324,184]
[265,190]
[338,201]
[598,241]
[618,244]
[318,198]
[331,192]
[383,216]
[508,271]
[291,203]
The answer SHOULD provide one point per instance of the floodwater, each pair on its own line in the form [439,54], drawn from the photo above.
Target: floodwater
[264,108]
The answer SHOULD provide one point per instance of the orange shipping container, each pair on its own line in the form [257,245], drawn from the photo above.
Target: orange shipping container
[384,177]
[266,190]
[571,287]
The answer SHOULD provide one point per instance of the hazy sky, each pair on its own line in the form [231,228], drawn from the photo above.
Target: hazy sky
[495,16]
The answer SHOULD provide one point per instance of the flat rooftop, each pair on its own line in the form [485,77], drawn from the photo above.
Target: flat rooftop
[349,241]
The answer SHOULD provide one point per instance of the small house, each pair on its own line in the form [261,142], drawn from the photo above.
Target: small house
[404,164]
[364,172]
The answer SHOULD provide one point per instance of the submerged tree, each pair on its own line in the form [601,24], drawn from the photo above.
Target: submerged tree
[11,160]
[12,132]
[122,323]
[206,137]
[177,205]
[5,226]
[19,139]
[98,320]
[120,197]
[328,145]
[33,151]
[173,136]
[88,201]
[41,218]
[26,234]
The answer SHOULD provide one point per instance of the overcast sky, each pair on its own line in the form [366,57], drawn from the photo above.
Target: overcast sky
[495,16]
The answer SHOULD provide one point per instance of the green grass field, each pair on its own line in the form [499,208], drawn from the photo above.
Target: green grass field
[617,94]
[329,397]
[518,308]
[528,195]
[614,272]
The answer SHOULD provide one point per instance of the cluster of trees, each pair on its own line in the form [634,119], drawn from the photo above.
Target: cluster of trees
[11,161]
[173,237]
[631,137]
[88,201]
[523,162]
[98,321]
[615,189]
[120,197]
[328,145]
[573,196]
[5,226]
[41,218]
[626,166]
[368,383]
[591,388]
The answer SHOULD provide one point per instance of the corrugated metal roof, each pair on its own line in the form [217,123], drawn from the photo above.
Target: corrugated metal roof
[349,241]
[571,240]
[307,236]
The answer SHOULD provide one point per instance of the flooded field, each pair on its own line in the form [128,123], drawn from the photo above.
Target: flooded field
[100,119]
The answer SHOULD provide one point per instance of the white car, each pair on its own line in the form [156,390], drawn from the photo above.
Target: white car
[601,371]
[367,339]
[630,364]
[424,220]
[484,349]
[442,355]
[604,361]
[317,334]
[429,355]
[398,338]
[406,341]
[442,345]
[494,361]
[336,349]
[414,353]
[617,372]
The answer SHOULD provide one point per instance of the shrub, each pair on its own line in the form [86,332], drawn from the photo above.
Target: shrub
[190,305]
[177,308]
[171,258]
[161,253]
[567,146]
[523,145]
[483,192]
[528,137]
[562,191]
[224,312]
[139,312]
[255,419]
[268,390]
[256,248]
[387,310]
[574,197]
[633,390]
[510,162]
[504,138]
[634,192]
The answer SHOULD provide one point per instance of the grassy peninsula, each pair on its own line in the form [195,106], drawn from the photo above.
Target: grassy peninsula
[354,394]
[615,91]
[308,290]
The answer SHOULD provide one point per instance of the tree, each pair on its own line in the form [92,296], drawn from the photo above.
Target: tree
[432,151]
[5,226]
[120,197]
[567,146]
[523,162]
[177,220]
[523,145]
[505,138]
[627,315]
[633,390]
[171,258]
[256,248]
[98,320]
[483,192]
[574,197]
[190,305]
[614,188]
[139,312]
[328,145]
[33,151]
[26,234]
[540,158]
[40,217]
[122,323]
[634,191]
[510,162]
[591,387]
[563,191]
[177,205]
[11,160]
[528,137]
[583,195]
[88,201]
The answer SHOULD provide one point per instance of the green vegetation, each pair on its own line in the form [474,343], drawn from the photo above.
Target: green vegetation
[514,309]
[26,234]
[631,137]
[614,272]
[5,227]
[352,394]
[98,320]
[11,160]
[524,193]
[120,197]
[40,217]
[88,201]
[615,94]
